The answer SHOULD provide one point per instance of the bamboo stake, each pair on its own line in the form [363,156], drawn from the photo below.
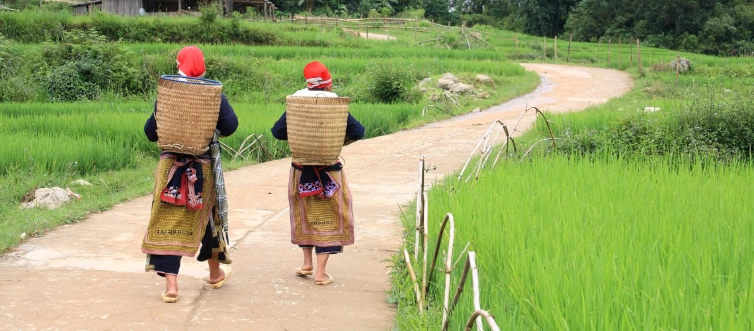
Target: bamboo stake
[556,48]
[570,39]
[419,205]
[448,267]
[638,56]
[486,315]
[544,46]
[620,53]
[475,283]
[609,51]
[515,37]
[459,290]
[631,52]
[426,244]
[677,68]
[413,280]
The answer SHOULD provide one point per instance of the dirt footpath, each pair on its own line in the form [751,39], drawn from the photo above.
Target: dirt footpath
[88,276]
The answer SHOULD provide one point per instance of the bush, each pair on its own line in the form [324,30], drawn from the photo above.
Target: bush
[388,83]
[85,63]
[68,83]
[719,128]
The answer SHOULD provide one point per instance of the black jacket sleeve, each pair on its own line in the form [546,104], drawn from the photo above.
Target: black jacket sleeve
[354,129]
[280,129]
[227,121]
[150,127]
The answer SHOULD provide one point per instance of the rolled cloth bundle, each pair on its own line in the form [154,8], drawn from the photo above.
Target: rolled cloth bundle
[316,128]
[187,112]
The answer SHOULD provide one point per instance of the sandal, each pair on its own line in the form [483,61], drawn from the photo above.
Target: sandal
[304,273]
[168,299]
[220,284]
[328,281]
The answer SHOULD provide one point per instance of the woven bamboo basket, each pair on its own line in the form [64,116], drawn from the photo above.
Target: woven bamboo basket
[187,112]
[316,128]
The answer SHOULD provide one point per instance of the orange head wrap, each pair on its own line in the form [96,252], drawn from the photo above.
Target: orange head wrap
[317,75]
[191,62]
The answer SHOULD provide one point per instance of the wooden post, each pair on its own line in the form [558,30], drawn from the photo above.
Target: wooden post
[609,51]
[179,7]
[556,48]
[570,39]
[306,20]
[416,27]
[367,31]
[620,53]
[264,12]
[631,52]
[515,37]
[677,68]
[638,56]
[544,46]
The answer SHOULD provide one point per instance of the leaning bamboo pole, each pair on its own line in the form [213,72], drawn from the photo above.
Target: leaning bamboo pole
[419,205]
[413,280]
[426,244]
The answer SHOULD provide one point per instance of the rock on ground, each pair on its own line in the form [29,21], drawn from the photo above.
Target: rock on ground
[462,88]
[450,77]
[445,84]
[684,64]
[50,198]
[425,82]
[81,182]
[484,79]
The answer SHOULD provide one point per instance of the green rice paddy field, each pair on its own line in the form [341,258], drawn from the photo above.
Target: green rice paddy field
[564,241]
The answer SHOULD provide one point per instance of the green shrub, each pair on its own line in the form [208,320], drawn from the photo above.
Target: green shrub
[389,83]
[69,83]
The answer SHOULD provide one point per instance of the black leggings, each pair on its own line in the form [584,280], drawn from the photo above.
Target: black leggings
[324,250]
[170,264]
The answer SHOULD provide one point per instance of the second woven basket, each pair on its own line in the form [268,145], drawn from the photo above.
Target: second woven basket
[316,128]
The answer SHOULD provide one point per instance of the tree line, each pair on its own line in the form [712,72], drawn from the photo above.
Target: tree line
[720,27]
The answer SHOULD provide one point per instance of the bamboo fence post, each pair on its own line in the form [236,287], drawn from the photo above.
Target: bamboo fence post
[367,25]
[638,56]
[677,68]
[413,280]
[556,48]
[515,37]
[631,52]
[416,27]
[419,205]
[459,290]
[486,315]
[599,48]
[544,46]
[448,266]
[620,53]
[609,51]
[426,245]
[475,283]
[570,39]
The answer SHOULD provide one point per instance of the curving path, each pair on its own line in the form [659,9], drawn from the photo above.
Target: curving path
[88,276]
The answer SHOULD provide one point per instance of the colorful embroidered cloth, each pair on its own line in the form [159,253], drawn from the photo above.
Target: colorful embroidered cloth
[316,181]
[321,222]
[185,181]
[175,229]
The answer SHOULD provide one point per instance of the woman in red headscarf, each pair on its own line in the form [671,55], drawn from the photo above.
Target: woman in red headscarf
[317,192]
[182,221]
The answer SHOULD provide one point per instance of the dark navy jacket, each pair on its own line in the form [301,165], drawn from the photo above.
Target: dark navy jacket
[227,122]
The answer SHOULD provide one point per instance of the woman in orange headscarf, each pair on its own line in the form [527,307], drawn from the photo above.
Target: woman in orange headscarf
[319,195]
[188,209]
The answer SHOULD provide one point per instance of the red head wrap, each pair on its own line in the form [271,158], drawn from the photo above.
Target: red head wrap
[191,62]
[317,75]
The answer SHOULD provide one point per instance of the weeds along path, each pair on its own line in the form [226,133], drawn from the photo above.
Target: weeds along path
[89,275]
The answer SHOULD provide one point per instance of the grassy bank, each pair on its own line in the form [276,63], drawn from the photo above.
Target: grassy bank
[641,245]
